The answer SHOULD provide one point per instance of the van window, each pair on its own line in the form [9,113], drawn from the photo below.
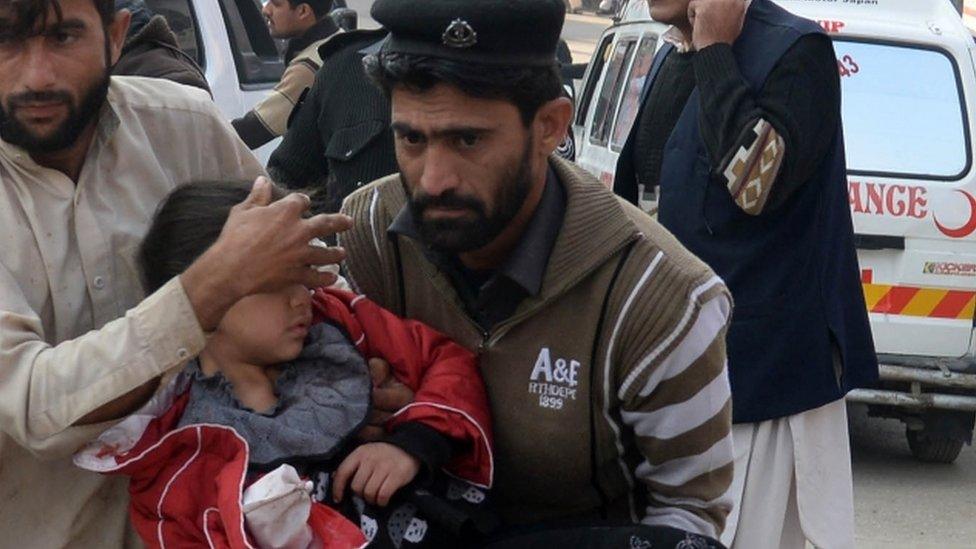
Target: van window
[900,121]
[630,103]
[255,54]
[179,15]
[596,67]
[610,92]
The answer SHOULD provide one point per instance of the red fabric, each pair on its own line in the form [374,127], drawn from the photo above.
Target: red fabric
[186,484]
[449,394]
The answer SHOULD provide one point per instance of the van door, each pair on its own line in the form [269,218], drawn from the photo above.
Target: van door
[908,136]
[605,124]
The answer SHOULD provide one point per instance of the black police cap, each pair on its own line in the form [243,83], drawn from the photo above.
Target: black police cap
[491,32]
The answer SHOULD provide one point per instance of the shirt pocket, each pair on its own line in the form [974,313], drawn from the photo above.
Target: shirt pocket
[346,143]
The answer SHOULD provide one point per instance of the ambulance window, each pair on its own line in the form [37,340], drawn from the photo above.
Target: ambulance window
[903,111]
[630,103]
[183,22]
[255,53]
[596,67]
[612,83]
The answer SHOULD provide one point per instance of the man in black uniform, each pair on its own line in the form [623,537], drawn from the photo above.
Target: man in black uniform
[339,137]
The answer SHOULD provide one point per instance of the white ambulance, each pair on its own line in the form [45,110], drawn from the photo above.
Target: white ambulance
[908,77]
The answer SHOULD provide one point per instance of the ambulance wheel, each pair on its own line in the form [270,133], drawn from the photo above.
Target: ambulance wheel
[932,448]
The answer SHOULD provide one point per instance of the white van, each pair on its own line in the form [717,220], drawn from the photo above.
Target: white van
[908,84]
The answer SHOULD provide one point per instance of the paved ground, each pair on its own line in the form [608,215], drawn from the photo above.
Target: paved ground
[899,503]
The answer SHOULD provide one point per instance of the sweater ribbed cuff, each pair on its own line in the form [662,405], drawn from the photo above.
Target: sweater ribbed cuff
[427,445]
[716,64]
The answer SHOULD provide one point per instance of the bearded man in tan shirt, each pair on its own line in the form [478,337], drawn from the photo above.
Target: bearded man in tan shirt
[84,160]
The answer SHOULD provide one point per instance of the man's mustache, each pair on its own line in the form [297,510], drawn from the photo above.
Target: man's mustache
[32,97]
[449,200]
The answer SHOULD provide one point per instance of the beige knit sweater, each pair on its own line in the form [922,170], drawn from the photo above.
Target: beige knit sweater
[609,389]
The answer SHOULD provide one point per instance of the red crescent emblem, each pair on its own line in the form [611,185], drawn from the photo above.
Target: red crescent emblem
[967,229]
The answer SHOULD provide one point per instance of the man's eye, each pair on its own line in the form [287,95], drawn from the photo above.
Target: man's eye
[64,38]
[413,138]
[468,140]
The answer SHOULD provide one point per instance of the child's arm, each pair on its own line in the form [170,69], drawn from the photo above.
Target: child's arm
[450,395]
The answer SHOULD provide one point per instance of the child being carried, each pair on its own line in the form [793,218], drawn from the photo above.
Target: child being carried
[253,443]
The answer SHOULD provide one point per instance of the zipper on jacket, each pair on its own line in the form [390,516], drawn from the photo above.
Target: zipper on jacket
[483,346]
[489,338]
[504,327]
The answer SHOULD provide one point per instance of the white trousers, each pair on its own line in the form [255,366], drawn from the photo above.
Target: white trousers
[792,482]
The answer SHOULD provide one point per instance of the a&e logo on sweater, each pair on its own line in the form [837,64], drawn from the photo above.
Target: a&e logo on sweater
[554,380]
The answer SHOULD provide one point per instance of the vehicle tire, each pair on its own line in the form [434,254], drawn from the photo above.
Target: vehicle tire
[933,448]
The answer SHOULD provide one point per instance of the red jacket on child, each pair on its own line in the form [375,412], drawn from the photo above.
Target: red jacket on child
[187,482]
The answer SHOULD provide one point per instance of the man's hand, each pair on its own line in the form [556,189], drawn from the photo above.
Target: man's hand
[715,21]
[377,471]
[389,396]
[263,247]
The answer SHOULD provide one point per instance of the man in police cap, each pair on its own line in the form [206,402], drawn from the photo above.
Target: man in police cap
[601,339]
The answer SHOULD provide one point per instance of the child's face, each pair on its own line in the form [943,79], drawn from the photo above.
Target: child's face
[269,328]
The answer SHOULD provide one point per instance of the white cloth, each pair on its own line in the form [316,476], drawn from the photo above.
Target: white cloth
[793,482]
[276,510]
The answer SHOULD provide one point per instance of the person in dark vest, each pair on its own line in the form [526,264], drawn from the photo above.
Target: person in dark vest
[307,25]
[740,133]
[601,339]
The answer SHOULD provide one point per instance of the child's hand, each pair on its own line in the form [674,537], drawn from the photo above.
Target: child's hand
[377,471]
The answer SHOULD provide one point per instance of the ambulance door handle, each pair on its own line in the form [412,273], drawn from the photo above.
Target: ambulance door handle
[878,242]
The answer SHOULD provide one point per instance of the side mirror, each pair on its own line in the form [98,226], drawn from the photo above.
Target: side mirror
[346,18]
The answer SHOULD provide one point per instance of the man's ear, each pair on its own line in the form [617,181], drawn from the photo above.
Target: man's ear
[306,12]
[117,31]
[552,123]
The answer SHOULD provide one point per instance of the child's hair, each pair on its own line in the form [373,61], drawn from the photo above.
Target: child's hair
[186,223]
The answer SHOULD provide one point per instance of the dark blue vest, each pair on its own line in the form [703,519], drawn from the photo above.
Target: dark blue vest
[793,272]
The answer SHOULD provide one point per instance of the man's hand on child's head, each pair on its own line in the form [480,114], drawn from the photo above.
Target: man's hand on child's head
[264,246]
[377,470]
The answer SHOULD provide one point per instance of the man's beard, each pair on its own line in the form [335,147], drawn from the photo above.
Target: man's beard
[13,131]
[472,233]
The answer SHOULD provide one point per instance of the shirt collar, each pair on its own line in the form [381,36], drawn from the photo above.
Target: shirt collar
[674,37]
[526,266]
[321,30]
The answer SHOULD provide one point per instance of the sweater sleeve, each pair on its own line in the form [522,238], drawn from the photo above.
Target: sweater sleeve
[431,448]
[765,144]
[269,118]
[299,161]
[673,395]
[450,396]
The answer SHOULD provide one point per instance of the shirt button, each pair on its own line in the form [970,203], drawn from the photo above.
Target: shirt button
[99,282]
[182,353]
